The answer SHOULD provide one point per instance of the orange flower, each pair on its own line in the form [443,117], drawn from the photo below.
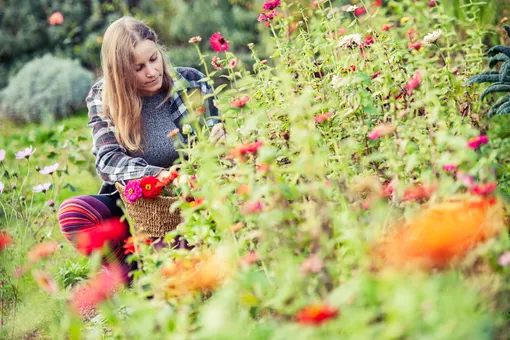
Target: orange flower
[322,117]
[244,149]
[236,227]
[442,232]
[418,193]
[196,203]
[173,133]
[129,244]
[316,314]
[167,180]
[252,207]
[42,250]
[243,189]
[240,102]
[45,281]
[387,27]
[56,19]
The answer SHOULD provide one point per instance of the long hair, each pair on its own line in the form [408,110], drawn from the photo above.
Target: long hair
[121,99]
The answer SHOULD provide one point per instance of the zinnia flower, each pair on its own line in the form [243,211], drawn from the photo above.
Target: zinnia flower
[42,187]
[244,149]
[133,191]
[173,133]
[312,264]
[450,167]
[129,243]
[432,37]
[419,192]
[25,153]
[168,179]
[216,63]
[484,189]
[351,41]
[369,40]
[316,314]
[42,250]
[149,186]
[2,155]
[387,27]
[56,19]
[232,63]
[5,240]
[240,102]
[322,117]
[252,207]
[432,3]
[359,11]
[218,43]
[45,281]
[413,82]
[375,75]
[415,46]
[270,5]
[48,170]
[475,142]
[442,232]
[267,17]
[110,231]
[381,130]
[250,258]
[195,39]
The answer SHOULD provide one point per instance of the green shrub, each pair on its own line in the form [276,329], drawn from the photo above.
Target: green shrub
[45,89]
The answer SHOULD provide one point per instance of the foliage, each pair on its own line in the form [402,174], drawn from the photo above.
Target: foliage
[45,89]
[330,151]
[500,79]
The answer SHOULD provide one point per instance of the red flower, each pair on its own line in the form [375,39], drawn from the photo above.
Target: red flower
[432,3]
[415,46]
[167,180]
[359,11]
[107,231]
[270,5]
[150,187]
[450,167]
[413,83]
[250,258]
[418,193]
[411,34]
[129,244]
[387,189]
[5,240]
[378,3]
[267,17]
[56,19]
[218,43]
[97,290]
[375,75]
[42,250]
[369,40]
[323,117]
[196,203]
[475,142]
[245,149]
[316,314]
[484,189]
[387,27]
[253,207]
[240,102]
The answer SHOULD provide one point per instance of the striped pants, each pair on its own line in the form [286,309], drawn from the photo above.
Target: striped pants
[81,214]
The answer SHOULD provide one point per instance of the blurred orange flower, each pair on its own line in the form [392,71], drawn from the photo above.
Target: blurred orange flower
[42,250]
[316,314]
[5,240]
[56,19]
[45,281]
[441,232]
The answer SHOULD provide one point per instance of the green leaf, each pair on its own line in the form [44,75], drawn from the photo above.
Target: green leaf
[219,88]
[486,77]
[499,49]
[503,71]
[504,109]
[497,58]
[70,187]
[496,87]
[497,104]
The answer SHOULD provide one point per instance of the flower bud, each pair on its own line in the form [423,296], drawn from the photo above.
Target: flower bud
[186,129]
[37,168]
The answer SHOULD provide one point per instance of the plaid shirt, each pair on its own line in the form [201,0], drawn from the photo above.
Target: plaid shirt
[113,164]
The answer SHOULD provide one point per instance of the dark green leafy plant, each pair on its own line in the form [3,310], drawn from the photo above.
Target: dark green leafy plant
[500,79]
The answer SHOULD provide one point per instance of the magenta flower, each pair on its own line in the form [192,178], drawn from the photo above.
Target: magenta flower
[50,203]
[25,153]
[449,167]
[504,260]
[466,180]
[2,155]
[48,170]
[475,142]
[484,189]
[380,131]
[218,43]
[42,187]
[133,191]
[1,187]
[270,5]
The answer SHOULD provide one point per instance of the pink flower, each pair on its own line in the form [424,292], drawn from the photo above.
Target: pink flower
[48,170]
[432,3]
[1,187]
[369,40]
[270,5]
[2,155]
[25,153]
[45,281]
[375,75]
[240,102]
[380,131]
[359,11]
[504,260]
[253,207]
[484,189]
[415,46]
[133,191]
[475,142]
[250,258]
[267,17]
[218,43]
[413,82]
[50,203]
[466,180]
[323,117]
[232,63]
[312,264]
[450,167]
[42,187]
[56,19]
[216,63]
[387,27]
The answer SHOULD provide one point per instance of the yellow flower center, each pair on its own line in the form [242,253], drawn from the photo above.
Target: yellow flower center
[148,187]
[131,191]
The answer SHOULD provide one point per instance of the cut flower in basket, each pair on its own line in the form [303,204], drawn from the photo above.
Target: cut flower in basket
[148,187]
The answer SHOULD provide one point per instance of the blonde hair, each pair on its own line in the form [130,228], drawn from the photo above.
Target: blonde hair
[121,99]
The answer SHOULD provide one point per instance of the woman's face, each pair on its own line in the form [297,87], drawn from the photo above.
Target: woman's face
[148,68]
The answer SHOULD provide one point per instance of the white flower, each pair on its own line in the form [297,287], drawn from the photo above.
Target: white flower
[42,187]
[48,170]
[351,41]
[432,37]
[1,187]
[336,81]
[351,8]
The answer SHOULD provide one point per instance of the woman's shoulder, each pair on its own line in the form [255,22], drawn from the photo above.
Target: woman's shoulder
[96,90]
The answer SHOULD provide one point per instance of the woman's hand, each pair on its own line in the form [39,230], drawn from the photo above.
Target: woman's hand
[218,134]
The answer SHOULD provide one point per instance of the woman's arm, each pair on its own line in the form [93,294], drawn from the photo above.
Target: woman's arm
[112,162]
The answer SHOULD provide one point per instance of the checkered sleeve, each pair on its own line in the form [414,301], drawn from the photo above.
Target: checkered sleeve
[193,76]
[112,162]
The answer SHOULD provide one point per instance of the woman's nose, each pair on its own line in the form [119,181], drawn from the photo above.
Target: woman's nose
[151,72]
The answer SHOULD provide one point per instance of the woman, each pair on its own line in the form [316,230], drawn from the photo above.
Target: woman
[131,110]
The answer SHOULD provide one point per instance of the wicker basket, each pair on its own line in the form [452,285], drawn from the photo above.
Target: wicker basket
[151,217]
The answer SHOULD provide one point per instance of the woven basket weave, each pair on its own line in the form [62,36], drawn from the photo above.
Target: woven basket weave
[151,217]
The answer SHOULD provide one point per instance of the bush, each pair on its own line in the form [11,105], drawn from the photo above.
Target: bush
[45,89]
